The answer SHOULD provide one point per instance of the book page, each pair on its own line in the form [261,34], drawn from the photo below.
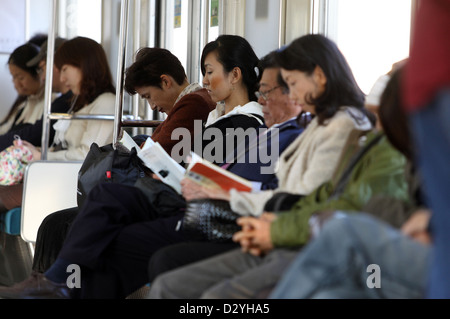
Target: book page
[161,164]
[128,142]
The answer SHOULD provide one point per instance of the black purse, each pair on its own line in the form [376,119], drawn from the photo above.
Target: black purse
[108,165]
[210,220]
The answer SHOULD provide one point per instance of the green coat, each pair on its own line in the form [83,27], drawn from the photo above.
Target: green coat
[380,171]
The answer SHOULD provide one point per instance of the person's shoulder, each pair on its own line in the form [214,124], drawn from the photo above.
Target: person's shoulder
[243,121]
[291,124]
[107,97]
[200,95]
[104,103]
[198,100]
[347,118]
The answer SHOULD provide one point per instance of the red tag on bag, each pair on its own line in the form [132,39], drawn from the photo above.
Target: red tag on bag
[108,174]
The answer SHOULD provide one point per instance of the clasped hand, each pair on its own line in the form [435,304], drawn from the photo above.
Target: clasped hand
[254,237]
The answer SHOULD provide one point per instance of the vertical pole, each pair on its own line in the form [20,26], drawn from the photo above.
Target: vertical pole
[136,47]
[48,83]
[125,8]
[282,24]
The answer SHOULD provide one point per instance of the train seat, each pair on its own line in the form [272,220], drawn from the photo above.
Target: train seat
[48,187]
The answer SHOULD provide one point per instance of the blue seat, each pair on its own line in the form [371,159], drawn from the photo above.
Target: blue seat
[11,221]
[15,254]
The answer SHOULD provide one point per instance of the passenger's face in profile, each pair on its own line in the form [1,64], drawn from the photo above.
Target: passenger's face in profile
[216,80]
[303,87]
[156,98]
[24,82]
[277,106]
[71,77]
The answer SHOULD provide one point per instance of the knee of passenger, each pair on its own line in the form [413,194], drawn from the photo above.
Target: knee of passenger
[335,224]
[48,222]
[350,225]
[210,294]
[156,264]
[159,289]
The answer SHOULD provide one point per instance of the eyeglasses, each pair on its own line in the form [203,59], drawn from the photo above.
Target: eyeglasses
[265,95]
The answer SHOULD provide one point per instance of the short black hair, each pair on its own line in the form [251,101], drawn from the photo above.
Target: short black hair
[270,61]
[150,64]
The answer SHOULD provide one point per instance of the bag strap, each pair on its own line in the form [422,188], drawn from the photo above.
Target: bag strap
[345,177]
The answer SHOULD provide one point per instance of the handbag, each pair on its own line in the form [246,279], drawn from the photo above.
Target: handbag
[13,162]
[210,220]
[108,165]
[163,199]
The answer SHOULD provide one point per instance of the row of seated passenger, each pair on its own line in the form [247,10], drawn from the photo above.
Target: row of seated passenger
[337,162]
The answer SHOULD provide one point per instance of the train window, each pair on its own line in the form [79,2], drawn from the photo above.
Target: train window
[262,25]
[176,28]
[372,34]
[214,19]
[80,18]
[296,19]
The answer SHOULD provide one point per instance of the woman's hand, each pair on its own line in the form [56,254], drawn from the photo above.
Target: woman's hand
[192,190]
[417,226]
[33,149]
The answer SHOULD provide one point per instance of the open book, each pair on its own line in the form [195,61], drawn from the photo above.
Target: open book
[210,175]
[156,158]
[199,169]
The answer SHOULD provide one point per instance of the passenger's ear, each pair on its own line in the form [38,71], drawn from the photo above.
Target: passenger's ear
[319,77]
[236,75]
[166,81]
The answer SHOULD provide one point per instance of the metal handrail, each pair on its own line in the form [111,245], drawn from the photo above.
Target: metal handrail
[127,120]
[120,120]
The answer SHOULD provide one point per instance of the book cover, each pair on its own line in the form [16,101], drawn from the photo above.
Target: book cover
[210,175]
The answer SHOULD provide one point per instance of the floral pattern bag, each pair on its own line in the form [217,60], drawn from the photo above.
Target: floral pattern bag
[13,161]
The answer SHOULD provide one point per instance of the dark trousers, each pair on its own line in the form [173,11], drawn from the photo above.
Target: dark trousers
[112,239]
[50,237]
